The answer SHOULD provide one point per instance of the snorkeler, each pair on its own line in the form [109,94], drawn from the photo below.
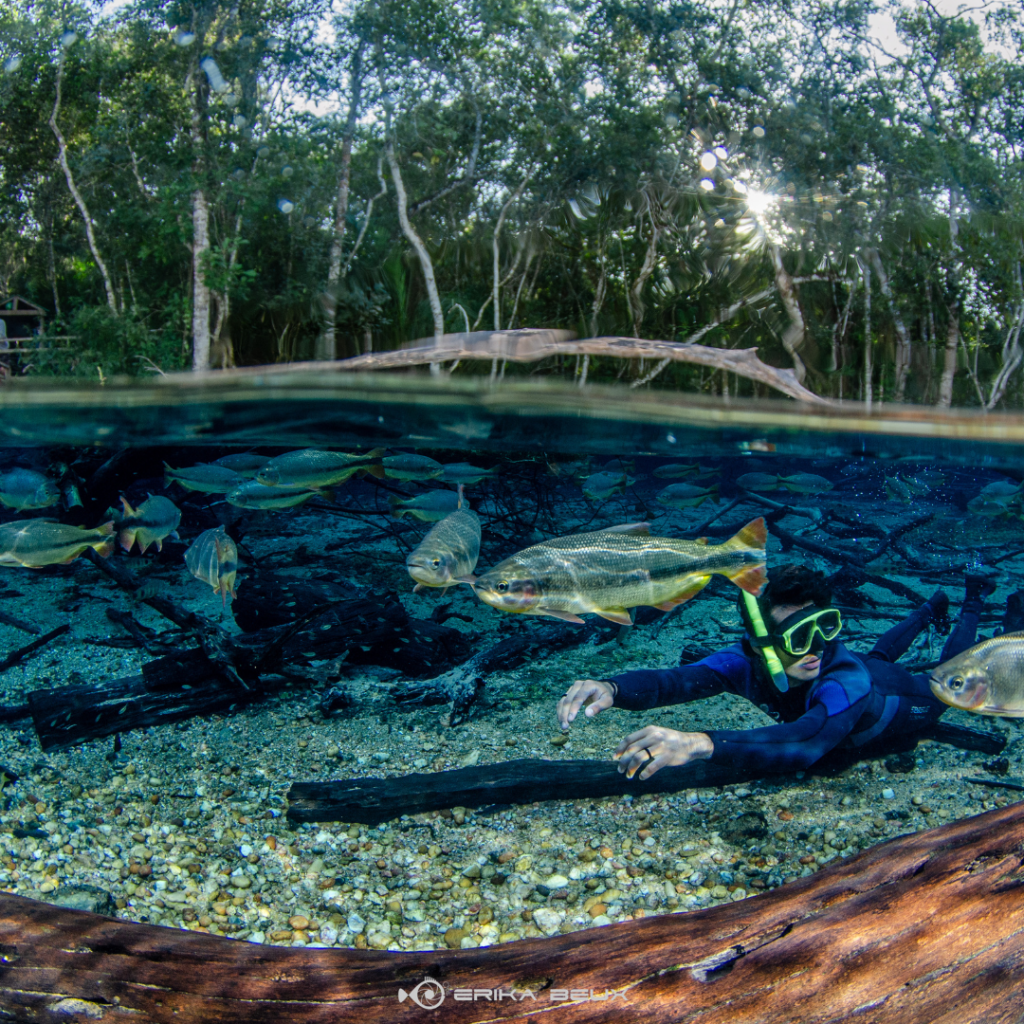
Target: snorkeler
[792,666]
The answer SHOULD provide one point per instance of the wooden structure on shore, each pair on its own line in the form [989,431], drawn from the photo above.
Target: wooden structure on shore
[926,928]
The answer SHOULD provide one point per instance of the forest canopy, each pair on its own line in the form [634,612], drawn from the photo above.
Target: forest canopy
[227,182]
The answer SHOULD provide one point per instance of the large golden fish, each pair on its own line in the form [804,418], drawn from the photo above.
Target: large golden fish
[33,543]
[609,571]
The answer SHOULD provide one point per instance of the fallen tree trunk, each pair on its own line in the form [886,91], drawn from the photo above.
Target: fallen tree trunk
[371,801]
[529,346]
[920,930]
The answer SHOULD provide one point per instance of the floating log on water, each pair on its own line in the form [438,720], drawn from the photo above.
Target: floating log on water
[922,929]
[371,801]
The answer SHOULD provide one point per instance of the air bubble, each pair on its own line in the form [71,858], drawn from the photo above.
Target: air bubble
[239,120]
[263,152]
[12,63]
[285,206]
[183,38]
[68,38]
[707,184]
[758,132]
[286,171]
[708,162]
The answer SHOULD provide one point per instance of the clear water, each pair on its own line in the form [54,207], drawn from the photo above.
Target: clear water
[186,824]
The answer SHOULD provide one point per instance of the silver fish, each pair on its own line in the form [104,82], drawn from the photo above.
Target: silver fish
[22,489]
[987,678]
[151,523]
[448,553]
[213,558]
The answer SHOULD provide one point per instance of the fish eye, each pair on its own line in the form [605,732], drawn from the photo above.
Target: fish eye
[957,683]
[436,563]
[502,587]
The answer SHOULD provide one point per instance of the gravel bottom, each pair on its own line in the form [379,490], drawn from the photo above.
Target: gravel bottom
[185,826]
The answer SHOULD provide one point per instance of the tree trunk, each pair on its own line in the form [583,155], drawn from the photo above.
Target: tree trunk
[200,227]
[1013,354]
[635,295]
[949,364]
[903,347]
[62,157]
[793,335]
[921,929]
[417,243]
[200,289]
[326,343]
[869,368]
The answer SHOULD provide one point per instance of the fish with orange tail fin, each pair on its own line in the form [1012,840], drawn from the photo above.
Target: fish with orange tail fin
[611,571]
[34,543]
[151,523]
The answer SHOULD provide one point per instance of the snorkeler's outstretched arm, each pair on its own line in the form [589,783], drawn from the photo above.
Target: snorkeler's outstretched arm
[788,747]
[725,671]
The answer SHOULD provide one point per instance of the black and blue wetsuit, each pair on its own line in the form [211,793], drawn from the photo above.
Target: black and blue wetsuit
[856,698]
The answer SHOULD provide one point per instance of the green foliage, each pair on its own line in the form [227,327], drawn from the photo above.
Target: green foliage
[100,344]
[587,126]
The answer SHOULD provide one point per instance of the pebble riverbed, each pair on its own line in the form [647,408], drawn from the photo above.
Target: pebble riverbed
[185,825]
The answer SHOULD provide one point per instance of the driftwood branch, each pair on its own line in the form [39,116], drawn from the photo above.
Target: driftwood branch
[922,929]
[528,346]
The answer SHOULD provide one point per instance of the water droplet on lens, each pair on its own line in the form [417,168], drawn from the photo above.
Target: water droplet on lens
[12,63]
[183,38]
[230,100]
[758,132]
[263,152]
[708,162]
[68,38]
[285,206]
[707,184]
[286,171]
[239,120]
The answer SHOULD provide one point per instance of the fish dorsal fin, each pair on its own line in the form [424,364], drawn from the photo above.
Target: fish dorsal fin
[641,529]
[461,489]
[128,510]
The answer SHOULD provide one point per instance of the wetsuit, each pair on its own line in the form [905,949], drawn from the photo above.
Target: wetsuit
[856,698]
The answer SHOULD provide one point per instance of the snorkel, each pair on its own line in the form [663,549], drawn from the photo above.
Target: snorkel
[762,641]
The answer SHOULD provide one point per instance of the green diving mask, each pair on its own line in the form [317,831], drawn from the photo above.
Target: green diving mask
[799,633]
[762,640]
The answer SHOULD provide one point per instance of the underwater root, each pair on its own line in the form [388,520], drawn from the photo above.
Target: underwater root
[923,928]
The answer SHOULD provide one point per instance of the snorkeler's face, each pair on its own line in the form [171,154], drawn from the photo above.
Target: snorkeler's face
[800,668]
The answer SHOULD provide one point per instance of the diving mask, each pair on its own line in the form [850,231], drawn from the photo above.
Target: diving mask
[807,630]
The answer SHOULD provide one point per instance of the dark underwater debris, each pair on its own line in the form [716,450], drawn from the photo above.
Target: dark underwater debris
[462,684]
[21,653]
[25,627]
[1015,784]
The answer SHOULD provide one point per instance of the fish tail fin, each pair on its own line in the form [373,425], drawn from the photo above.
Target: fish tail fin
[713,493]
[104,546]
[753,535]
[750,578]
[375,470]
[376,453]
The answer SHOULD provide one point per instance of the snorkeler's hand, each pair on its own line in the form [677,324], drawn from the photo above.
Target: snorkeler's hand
[595,694]
[660,747]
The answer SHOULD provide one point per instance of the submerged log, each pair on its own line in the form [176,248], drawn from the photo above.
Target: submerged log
[371,801]
[919,930]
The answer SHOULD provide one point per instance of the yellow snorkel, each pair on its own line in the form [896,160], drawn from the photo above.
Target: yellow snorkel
[762,641]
